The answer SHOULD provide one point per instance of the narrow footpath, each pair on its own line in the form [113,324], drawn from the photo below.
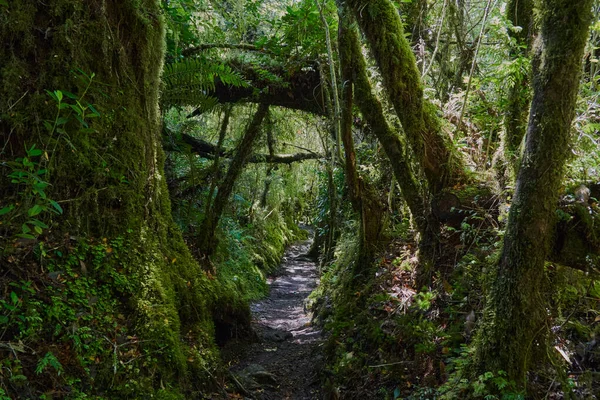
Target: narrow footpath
[284,363]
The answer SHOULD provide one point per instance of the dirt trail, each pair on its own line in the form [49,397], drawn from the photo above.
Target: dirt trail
[284,364]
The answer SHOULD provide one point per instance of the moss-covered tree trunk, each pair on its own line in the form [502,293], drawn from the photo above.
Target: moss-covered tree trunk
[515,315]
[380,22]
[415,193]
[362,196]
[207,242]
[107,174]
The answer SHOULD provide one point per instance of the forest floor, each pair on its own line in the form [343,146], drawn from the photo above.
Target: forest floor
[284,363]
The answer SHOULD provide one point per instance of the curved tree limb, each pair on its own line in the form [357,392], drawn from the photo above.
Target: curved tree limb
[209,150]
[232,46]
[296,89]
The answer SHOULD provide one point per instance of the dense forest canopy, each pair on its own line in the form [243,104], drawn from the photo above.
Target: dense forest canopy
[438,161]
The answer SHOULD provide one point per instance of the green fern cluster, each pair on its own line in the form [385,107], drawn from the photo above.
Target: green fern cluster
[187,82]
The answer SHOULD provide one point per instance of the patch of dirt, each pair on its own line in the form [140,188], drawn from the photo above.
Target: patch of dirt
[285,362]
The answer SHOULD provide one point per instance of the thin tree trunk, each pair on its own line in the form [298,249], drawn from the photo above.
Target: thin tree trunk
[207,241]
[515,318]
[216,161]
[334,87]
[271,168]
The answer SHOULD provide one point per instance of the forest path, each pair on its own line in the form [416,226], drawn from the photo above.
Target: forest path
[285,363]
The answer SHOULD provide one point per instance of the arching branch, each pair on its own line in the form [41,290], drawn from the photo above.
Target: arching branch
[237,46]
[297,89]
[209,150]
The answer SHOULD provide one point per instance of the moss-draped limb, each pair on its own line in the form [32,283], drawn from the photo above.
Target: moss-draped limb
[415,193]
[207,240]
[297,90]
[211,151]
[515,315]
[362,196]
[382,27]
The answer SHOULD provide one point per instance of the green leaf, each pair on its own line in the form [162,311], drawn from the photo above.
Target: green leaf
[59,95]
[76,108]
[4,3]
[56,206]
[81,121]
[51,94]
[70,95]
[38,230]
[14,297]
[26,235]
[35,210]
[25,229]
[6,210]
[38,224]
[62,121]
[91,107]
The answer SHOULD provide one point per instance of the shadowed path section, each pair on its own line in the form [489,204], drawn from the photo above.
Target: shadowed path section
[285,363]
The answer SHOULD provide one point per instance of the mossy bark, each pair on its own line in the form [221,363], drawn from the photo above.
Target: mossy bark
[109,178]
[362,196]
[382,27]
[207,242]
[515,318]
[415,193]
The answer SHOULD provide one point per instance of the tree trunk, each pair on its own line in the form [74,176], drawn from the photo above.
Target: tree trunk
[363,198]
[515,314]
[415,194]
[207,241]
[269,177]
[381,24]
[107,174]
[216,161]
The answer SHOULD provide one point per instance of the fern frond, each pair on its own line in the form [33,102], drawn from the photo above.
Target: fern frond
[188,82]
[200,73]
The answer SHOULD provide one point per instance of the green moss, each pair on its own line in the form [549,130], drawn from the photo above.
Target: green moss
[109,178]
[382,26]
